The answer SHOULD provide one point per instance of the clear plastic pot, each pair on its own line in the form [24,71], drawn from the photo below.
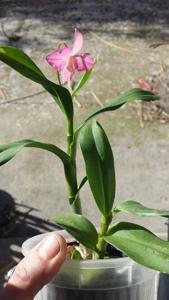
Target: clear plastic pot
[110,279]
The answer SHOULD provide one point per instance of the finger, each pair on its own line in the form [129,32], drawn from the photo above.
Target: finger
[36,269]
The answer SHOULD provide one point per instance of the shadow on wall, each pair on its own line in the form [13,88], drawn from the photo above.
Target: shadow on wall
[90,13]
[140,11]
[17,222]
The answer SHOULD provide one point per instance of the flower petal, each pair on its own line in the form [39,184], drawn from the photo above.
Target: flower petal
[66,75]
[58,58]
[78,42]
[83,62]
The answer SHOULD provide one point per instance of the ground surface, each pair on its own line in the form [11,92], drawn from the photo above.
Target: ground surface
[139,134]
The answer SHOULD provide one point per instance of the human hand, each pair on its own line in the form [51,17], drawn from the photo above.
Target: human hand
[36,269]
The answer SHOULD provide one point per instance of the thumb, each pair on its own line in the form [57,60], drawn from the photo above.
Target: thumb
[36,269]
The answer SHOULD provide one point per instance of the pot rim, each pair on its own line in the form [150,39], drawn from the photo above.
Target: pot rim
[84,264]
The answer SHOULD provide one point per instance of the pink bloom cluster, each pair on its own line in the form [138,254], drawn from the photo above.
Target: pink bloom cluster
[68,60]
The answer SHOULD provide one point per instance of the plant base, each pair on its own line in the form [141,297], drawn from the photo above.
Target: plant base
[103,279]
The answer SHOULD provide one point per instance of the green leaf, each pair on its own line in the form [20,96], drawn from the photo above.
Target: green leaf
[76,255]
[23,64]
[79,227]
[130,95]
[82,183]
[82,82]
[141,245]
[99,163]
[7,152]
[137,208]
[62,97]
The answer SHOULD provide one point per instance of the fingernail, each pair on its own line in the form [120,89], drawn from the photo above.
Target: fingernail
[50,247]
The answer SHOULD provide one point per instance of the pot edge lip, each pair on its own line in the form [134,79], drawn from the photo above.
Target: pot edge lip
[88,263]
[81,263]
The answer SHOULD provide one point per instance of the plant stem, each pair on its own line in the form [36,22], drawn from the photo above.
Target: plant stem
[70,136]
[76,206]
[95,255]
[101,245]
[58,76]
[71,172]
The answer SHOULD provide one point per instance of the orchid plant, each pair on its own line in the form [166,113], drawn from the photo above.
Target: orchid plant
[134,240]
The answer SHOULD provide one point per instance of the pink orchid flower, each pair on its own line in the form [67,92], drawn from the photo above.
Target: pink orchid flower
[143,84]
[68,60]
